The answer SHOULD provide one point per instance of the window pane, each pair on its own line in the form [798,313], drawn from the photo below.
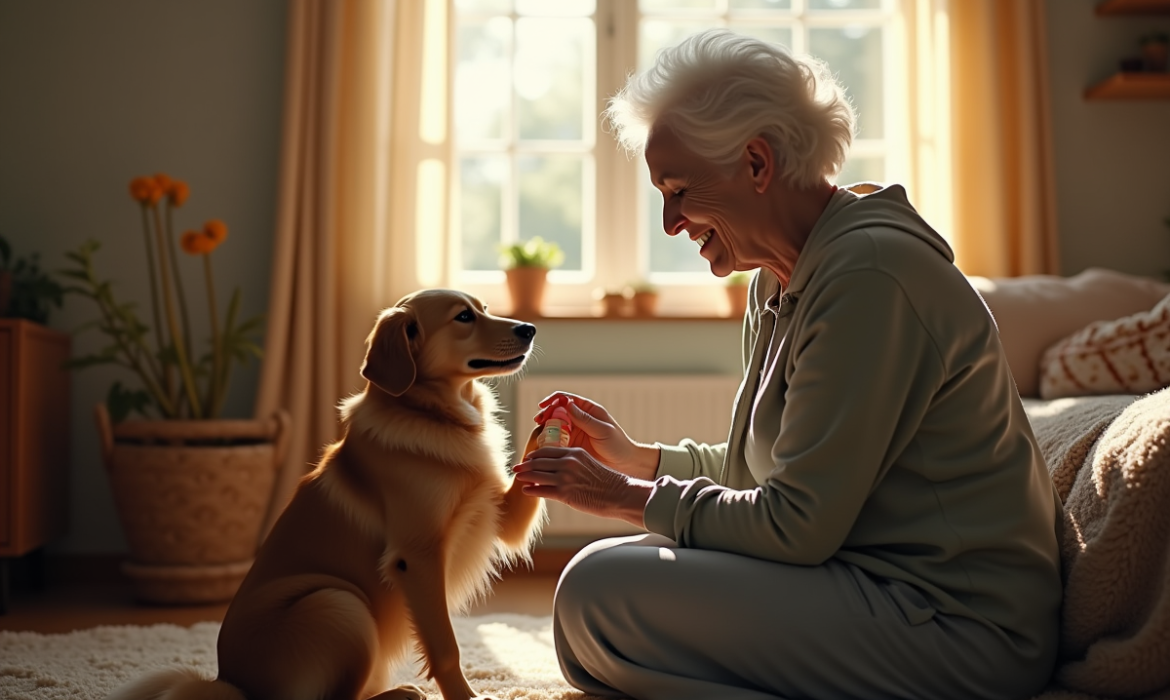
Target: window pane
[492,6]
[550,77]
[481,188]
[868,169]
[482,79]
[559,8]
[774,35]
[657,34]
[844,4]
[551,198]
[667,253]
[854,54]
[761,4]
[669,5]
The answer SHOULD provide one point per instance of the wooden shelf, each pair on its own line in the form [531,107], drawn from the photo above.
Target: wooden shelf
[1109,8]
[1131,86]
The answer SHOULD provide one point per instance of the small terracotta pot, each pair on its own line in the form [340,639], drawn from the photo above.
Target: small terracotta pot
[526,287]
[645,304]
[613,305]
[737,299]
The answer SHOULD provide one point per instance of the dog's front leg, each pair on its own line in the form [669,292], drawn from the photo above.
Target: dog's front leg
[521,516]
[420,576]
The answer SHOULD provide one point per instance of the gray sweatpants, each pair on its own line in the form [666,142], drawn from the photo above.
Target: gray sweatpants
[639,617]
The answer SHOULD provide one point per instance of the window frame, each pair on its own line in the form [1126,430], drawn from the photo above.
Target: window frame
[621,254]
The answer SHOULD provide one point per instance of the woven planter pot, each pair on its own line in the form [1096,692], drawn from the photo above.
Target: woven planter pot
[192,497]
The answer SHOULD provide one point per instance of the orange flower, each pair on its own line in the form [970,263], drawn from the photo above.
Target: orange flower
[163,180]
[216,230]
[142,190]
[178,193]
[196,243]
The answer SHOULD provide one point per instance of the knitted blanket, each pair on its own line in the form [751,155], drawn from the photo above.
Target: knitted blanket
[1109,458]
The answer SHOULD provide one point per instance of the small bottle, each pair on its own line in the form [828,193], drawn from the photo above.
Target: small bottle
[556,431]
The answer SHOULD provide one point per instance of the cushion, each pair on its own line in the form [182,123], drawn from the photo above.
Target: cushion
[1035,311]
[1128,356]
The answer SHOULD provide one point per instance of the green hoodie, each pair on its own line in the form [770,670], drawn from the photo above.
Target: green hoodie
[878,423]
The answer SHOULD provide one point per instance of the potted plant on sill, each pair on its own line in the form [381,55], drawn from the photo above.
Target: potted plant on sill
[192,490]
[645,298]
[615,303]
[526,265]
[736,286]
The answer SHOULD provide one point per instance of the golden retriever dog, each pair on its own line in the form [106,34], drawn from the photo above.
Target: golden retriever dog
[405,521]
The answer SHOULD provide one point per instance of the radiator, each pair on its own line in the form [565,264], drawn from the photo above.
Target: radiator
[650,407]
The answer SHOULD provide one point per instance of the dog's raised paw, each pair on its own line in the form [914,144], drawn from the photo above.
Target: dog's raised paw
[402,692]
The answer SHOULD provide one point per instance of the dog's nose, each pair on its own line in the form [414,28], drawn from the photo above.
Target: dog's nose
[525,331]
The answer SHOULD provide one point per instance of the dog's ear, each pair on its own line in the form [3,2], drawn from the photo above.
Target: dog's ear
[389,362]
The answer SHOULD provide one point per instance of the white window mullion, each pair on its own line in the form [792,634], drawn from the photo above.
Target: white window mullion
[618,259]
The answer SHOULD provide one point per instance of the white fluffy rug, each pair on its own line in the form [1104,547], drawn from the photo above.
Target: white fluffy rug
[509,656]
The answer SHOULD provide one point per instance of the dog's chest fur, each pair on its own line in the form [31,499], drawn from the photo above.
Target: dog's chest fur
[417,478]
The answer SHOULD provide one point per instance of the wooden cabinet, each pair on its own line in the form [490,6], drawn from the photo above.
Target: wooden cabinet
[34,439]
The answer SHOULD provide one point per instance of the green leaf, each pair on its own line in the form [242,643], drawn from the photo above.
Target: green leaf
[89,361]
[122,401]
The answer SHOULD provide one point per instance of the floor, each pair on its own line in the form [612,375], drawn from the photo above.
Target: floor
[68,601]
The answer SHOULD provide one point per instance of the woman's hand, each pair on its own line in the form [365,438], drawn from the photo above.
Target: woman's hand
[574,477]
[596,432]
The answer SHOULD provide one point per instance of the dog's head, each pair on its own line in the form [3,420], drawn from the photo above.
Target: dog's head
[442,334]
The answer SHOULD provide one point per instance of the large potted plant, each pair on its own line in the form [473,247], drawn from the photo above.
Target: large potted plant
[526,265]
[192,489]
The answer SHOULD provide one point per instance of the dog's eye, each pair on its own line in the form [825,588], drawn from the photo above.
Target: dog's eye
[465,316]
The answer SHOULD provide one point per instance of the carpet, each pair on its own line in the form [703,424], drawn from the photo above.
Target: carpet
[509,656]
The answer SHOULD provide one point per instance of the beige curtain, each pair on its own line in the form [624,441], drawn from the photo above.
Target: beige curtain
[981,155]
[333,267]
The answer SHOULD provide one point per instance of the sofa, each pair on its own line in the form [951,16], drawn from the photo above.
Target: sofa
[1104,431]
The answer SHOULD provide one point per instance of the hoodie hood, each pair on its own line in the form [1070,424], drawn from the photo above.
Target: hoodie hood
[860,206]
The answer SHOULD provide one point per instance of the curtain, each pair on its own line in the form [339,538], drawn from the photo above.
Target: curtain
[980,142]
[344,183]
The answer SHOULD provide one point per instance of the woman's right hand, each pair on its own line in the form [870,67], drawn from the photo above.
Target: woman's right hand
[595,431]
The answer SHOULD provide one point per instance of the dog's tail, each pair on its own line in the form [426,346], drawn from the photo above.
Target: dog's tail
[176,684]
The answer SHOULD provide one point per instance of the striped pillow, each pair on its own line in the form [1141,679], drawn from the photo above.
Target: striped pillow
[1130,355]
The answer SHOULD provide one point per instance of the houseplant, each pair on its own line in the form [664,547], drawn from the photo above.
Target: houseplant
[736,286]
[615,303]
[645,298]
[526,265]
[26,291]
[192,490]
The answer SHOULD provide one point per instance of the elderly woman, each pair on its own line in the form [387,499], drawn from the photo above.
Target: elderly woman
[880,522]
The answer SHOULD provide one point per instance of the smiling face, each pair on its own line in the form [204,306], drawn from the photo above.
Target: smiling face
[719,208]
[445,336]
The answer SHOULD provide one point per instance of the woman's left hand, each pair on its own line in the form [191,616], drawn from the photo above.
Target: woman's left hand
[572,476]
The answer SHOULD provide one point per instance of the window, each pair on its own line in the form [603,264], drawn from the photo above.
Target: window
[532,159]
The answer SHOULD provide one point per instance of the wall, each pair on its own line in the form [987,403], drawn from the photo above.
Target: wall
[1112,158]
[95,93]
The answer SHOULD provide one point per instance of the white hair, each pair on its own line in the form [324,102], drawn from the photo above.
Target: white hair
[717,90]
